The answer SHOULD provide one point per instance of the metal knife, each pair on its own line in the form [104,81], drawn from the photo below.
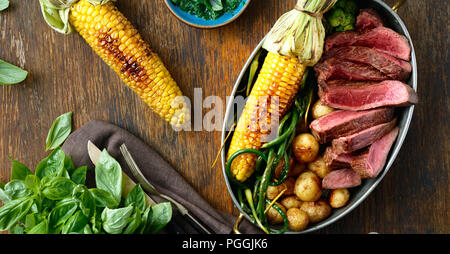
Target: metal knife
[137,173]
[127,184]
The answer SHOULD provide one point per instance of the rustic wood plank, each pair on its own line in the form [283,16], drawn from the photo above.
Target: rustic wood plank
[66,75]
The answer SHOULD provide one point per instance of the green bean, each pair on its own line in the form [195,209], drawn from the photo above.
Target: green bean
[234,156]
[283,121]
[265,183]
[285,135]
[283,214]
[241,202]
[248,194]
[284,173]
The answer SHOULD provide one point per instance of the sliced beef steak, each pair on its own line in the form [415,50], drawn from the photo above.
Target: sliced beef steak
[341,179]
[368,19]
[382,39]
[370,162]
[390,66]
[335,68]
[334,160]
[343,123]
[362,139]
[360,96]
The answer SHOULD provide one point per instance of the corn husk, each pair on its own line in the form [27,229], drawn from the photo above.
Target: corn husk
[56,13]
[300,32]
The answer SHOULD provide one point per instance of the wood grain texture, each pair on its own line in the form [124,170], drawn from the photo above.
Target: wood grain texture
[66,75]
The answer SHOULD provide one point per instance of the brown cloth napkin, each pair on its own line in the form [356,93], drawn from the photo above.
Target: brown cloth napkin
[157,171]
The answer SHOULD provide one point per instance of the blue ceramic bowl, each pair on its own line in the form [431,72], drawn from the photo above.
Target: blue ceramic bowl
[195,21]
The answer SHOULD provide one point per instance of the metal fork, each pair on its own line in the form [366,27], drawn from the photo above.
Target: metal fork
[137,173]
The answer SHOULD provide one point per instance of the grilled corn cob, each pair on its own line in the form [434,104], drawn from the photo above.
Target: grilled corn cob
[280,76]
[294,43]
[120,45]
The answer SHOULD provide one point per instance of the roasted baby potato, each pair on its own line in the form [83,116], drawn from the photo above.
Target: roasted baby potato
[273,216]
[319,167]
[318,110]
[288,185]
[339,198]
[305,148]
[308,187]
[297,219]
[273,191]
[291,202]
[317,210]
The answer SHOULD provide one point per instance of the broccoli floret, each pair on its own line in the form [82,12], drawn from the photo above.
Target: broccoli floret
[349,6]
[342,16]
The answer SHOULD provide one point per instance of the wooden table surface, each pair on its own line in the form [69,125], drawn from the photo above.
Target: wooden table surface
[66,75]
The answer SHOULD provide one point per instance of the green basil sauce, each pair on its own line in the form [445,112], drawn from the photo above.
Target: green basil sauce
[207,9]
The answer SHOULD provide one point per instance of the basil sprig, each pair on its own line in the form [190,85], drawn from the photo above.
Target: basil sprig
[10,74]
[55,199]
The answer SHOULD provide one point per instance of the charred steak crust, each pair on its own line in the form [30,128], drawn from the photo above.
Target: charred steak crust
[390,66]
[362,139]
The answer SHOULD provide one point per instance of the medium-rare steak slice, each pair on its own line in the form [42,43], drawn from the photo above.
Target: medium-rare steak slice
[393,67]
[343,123]
[368,19]
[335,68]
[370,162]
[362,139]
[341,179]
[357,96]
[382,39]
[334,160]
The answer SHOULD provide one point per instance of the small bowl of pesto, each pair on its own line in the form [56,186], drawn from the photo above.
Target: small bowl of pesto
[207,13]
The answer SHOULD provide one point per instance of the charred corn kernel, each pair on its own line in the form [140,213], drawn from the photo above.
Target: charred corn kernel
[280,76]
[114,38]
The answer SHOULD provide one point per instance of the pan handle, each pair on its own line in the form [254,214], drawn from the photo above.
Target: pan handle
[237,223]
[397,5]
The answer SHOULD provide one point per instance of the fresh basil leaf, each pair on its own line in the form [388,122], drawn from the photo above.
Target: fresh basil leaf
[115,220]
[86,200]
[14,211]
[103,198]
[136,197]
[146,217]
[63,210]
[135,222]
[18,170]
[52,165]
[41,228]
[76,223]
[10,74]
[96,221]
[59,131]
[33,183]
[46,206]
[79,175]
[68,164]
[58,188]
[3,196]
[161,215]
[2,185]
[87,230]
[18,229]
[4,4]
[17,189]
[108,175]
[31,220]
